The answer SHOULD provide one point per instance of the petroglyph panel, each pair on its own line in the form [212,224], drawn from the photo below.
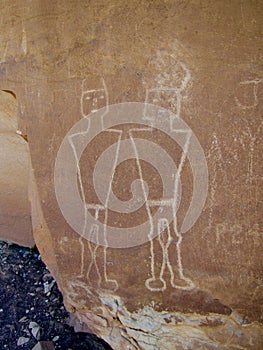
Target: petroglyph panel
[155,204]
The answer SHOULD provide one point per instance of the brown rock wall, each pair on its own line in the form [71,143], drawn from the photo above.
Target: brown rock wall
[203,63]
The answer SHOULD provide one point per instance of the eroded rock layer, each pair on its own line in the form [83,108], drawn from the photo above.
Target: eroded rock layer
[15,217]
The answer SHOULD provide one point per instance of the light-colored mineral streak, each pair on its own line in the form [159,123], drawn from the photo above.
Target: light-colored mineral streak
[147,329]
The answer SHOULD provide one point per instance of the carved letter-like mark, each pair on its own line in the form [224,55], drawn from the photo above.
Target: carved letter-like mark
[254,84]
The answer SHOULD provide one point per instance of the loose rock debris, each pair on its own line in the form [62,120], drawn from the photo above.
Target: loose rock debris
[32,314]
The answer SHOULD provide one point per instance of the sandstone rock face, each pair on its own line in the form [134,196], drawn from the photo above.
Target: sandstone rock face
[149,213]
[15,219]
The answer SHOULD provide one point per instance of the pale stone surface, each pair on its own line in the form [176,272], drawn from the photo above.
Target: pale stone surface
[201,61]
[15,219]
[44,345]
[150,330]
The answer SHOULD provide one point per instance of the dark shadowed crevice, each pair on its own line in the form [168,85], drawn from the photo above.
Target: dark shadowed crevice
[10,109]
[10,92]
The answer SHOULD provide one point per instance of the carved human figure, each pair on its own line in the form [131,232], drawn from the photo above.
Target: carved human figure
[90,101]
[169,236]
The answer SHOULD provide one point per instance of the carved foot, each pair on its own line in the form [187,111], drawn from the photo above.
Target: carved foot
[155,284]
[182,283]
[111,285]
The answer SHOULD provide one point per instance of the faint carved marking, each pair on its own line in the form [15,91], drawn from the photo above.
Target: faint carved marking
[237,233]
[253,138]
[215,155]
[24,40]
